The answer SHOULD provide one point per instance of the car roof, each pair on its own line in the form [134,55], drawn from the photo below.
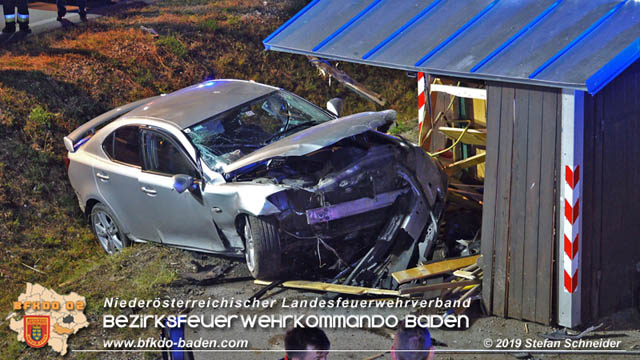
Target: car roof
[196,103]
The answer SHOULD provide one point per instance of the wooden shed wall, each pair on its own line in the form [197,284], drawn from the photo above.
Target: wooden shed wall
[611,193]
[523,148]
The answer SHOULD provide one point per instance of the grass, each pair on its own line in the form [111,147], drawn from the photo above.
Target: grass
[54,82]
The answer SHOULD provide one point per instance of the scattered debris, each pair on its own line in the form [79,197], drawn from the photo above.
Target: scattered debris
[209,274]
[32,268]
[564,334]
[465,164]
[150,31]
[336,288]
[521,355]
[445,285]
[433,269]
[326,69]
[260,293]
[471,136]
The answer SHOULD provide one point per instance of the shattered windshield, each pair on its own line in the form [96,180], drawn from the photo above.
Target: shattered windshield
[227,137]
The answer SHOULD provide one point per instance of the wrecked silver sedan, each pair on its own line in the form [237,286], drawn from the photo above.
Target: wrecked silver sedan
[236,167]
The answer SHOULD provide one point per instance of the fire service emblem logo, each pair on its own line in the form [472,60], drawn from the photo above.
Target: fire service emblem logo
[36,330]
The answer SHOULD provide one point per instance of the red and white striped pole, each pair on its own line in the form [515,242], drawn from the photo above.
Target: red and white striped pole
[570,228]
[572,221]
[422,109]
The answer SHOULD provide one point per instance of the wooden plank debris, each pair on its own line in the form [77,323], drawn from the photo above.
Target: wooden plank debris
[446,285]
[460,91]
[465,164]
[327,69]
[471,275]
[471,136]
[337,288]
[433,269]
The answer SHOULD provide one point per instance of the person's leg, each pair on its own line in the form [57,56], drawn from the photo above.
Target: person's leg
[62,8]
[9,9]
[23,15]
[82,7]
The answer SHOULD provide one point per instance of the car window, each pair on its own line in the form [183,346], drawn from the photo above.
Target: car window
[227,137]
[163,156]
[123,145]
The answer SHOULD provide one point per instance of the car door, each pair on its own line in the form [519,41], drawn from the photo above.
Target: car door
[181,219]
[117,179]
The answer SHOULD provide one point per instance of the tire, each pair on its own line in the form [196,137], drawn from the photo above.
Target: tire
[263,252]
[107,229]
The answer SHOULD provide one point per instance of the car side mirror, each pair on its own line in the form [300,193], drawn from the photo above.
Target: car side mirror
[182,182]
[335,106]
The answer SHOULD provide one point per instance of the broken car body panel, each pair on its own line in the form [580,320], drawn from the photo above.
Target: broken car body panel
[317,137]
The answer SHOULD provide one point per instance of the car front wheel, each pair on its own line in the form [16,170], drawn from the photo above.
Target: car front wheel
[262,244]
[107,229]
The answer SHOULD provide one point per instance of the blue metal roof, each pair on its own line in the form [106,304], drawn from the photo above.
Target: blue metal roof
[575,44]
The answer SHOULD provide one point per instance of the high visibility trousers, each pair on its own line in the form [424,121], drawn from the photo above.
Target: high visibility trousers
[9,8]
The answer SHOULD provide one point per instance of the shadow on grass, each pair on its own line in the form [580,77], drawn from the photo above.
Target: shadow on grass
[75,104]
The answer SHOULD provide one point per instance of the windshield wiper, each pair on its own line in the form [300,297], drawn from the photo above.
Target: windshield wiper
[286,130]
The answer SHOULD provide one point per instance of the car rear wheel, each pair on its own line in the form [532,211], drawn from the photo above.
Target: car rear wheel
[263,250]
[107,229]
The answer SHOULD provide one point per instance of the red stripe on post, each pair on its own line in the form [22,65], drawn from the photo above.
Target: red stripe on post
[420,75]
[571,248]
[420,100]
[570,283]
[571,213]
[572,177]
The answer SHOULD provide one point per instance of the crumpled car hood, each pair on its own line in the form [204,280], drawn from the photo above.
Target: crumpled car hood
[316,137]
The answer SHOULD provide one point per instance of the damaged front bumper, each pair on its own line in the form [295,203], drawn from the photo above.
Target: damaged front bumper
[357,212]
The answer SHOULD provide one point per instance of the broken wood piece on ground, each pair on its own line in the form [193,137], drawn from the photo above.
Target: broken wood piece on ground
[337,288]
[433,269]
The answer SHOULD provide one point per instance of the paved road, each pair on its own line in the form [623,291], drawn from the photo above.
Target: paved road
[43,18]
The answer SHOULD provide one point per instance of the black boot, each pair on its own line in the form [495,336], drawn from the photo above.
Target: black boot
[61,13]
[24,27]
[83,16]
[9,28]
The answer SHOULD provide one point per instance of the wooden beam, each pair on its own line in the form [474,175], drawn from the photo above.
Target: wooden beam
[337,288]
[433,269]
[471,136]
[446,285]
[466,163]
[327,69]
[461,91]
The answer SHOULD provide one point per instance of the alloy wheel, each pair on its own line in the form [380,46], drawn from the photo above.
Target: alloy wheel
[107,232]
[250,251]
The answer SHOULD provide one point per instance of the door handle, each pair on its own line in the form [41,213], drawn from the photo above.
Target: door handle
[102,176]
[149,191]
